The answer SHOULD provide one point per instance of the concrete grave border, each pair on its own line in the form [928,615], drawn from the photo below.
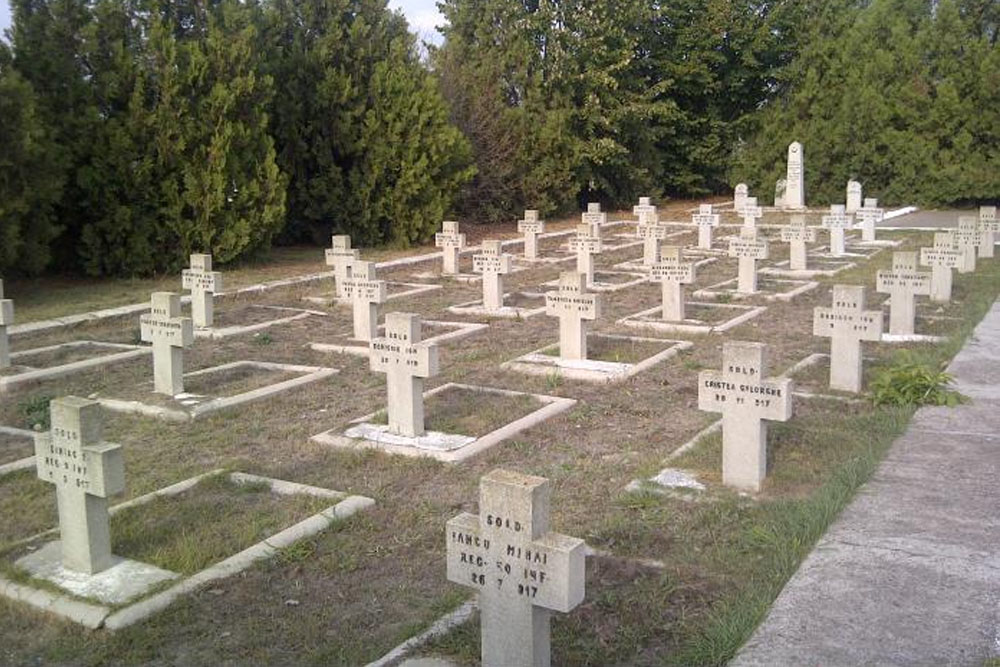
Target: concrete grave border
[415,289]
[719,289]
[476,309]
[598,286]
[552,406]
[691,326]
[362,349]
[21,464]
[812,360]
[780,270]
[125,353]
[215,333]
[95,616]
[309,375]
[588,370]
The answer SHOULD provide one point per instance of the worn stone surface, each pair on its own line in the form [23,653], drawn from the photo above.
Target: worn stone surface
[406,361]
[169,333]
[574,308]
[795,188]
[672,272]
[740,195]
[907,575]
[366,293]
[204,284]
[853,196]
[341,256]
[451,243]
[585,244]
[706,220]
[748,248]
[943,258]
[903,283]
[532,228]
[522,570]
[493,264]
[836,222]
[847,323]
[751,213]
[797,235]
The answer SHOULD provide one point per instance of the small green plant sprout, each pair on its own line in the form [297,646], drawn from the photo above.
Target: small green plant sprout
[911,382]
[553,380]
[263,338]
[724,298]
[36,412]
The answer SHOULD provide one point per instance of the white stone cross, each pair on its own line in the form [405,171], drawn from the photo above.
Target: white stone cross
[170,334]
[594,218]
[943,257]
[870,215]
[740,195]
[86,471]
[204,284]
[523,572]
[365,293]
[968,238]
[672,272]
[745,399]
[341,257]
[989,225]
[751,213]
[406,361]
[902,284]
[574,307]
[451,243]
[853,197]
[748,248]
[6,320]
[846,324]
[705,220]
[585,244]
[493,263]
[531,227]
[836,222]
[645,205]
[652,233]
[795,190]
[797,235]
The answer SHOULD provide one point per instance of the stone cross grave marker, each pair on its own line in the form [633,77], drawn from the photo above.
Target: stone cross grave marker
[836,222]
[746,400]
[6,320]
[574,308]
[594,218]
[86,471]
[169,333]
[870,215]
[795,192]
[531,227]
[853,197]
[341,257]
[968,239]
[797,235]
[989,225]
[204,284]
[645,205]
[846,324]
[902,284]
[943,257]
[406,361]
[748,248]
[585,244]
[705,220]
[751,213]
[652,233]
[493,263]
[522,570]
[740,195]
[365,293]
[451,243]
[672,272]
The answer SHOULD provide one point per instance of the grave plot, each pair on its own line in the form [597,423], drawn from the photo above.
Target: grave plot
[438,331]
[163,549]
[250,318]
[811,376]
[668,238]
[701,317]
[516,305]
[854,250]
[217,388]
[610,358]
[604,281]
[461,421]
[17,449]
[394,290]
[52,361]
[768,288]
[494,264]
[818,267]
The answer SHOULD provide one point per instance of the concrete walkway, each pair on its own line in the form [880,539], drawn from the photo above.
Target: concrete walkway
[910,572]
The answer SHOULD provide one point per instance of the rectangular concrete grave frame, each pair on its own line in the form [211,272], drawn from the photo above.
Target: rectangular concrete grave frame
[406,362]
[341,256]
[903,283]
[493,264]
[444,447]
[740,195]
[652,319]
[574,307]
[169,334]
[853,197]
[532,228]
[194,406]
[366,293]
[522,570]
[943,258]
[797,235]
[451,243]
[795,191]
[836,222]
[705,219]
[847,323]
[747,402]
[6,320]
[204,284]
[96,616]
[672,272]
[748,247]
[116,353]
[773,289]
[285,314]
